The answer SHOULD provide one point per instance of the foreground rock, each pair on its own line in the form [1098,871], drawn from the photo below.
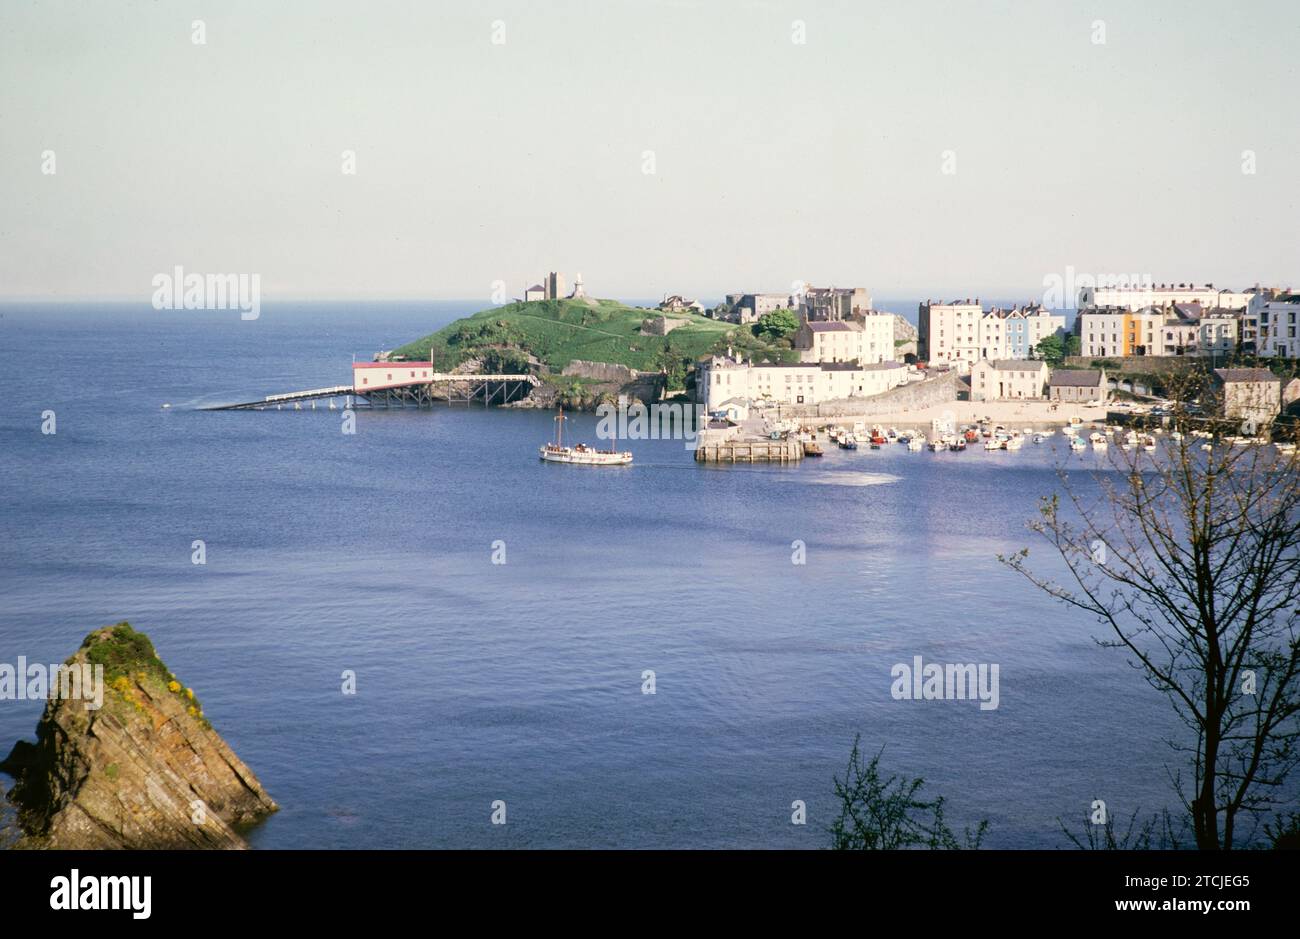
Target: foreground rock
[145,770]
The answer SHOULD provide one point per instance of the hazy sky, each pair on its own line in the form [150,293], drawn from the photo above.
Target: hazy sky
[773,160]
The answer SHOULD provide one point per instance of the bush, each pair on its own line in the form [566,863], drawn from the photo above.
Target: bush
[887,814]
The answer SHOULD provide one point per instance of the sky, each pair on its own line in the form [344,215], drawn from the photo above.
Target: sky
[917,148]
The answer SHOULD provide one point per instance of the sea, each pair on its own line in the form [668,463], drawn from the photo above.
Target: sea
[505,620]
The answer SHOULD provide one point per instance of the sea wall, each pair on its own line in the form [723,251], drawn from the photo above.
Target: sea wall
[1140,364]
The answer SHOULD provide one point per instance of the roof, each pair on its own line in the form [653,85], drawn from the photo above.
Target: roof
[1017,365]
[1245,374]
[833,326]
[534,287]
[398,365]
[872,366]
[1075,378]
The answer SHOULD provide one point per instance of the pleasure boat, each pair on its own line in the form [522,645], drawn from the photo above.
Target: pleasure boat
[582,454]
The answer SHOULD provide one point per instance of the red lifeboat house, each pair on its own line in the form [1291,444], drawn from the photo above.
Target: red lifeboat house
[393,383]
[379,376]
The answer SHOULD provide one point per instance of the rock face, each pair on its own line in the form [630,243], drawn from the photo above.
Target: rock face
[145,770]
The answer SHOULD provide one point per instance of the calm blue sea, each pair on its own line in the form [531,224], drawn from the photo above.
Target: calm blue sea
[522,681]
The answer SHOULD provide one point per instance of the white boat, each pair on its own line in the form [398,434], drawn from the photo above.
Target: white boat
[1015,442]
[916,443]
[582,454]
[1048,432]
[1098,441]
[1077,444]
[1149,444]
[1175,435]
[994,443]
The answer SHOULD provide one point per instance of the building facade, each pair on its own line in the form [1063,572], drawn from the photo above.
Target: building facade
[1279,326]
[720,378]
[962,334]
[1178,329]
[376,376]
[833,303]
[949,333]
[866,339]
[1008,379]
[1249,394]
[748,307]
[1078,386]
[1135,297]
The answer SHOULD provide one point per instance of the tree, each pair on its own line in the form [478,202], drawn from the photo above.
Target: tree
[776,325]
[1051,350]
[887,814]
[1073,345]
[1191,558]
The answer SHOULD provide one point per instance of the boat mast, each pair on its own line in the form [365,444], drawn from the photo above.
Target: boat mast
[559,428]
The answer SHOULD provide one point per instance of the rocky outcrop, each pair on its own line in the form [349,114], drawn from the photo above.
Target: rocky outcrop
[144,770]
[903,330]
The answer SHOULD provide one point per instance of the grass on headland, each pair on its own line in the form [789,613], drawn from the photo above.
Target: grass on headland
[557,332]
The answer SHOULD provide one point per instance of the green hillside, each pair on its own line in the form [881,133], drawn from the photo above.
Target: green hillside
[556,332]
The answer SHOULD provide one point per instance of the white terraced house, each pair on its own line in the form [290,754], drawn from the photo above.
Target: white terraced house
[1180,329]
[718,379]
[961,334]
[1137,296]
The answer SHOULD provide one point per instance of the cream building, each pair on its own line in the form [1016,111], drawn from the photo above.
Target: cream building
[1279,326]
[866,339]
[1008,379]
[719,379]
[949,333]
[1135,297]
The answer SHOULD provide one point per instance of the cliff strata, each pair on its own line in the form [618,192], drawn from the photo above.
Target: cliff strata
[144,770]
